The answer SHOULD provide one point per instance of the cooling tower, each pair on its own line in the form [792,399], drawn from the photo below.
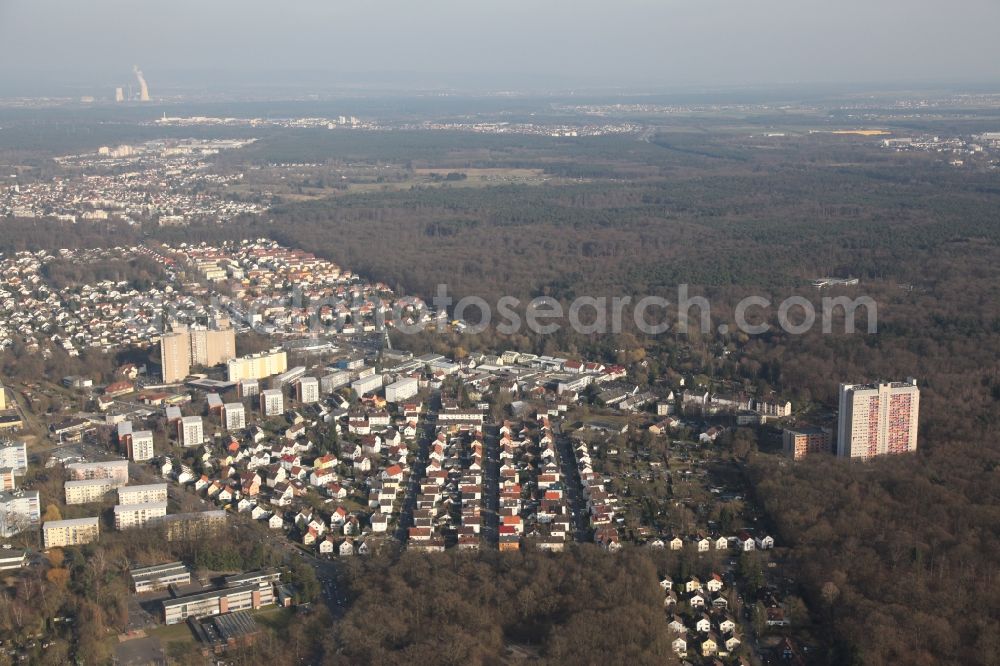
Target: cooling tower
[143,88]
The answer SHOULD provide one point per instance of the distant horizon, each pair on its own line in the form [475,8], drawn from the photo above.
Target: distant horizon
[557,45]
[280,85]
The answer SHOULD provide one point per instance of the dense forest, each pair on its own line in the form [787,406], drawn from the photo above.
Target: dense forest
[900,557]
[458,608]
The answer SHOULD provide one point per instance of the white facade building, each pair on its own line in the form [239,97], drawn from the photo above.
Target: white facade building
[308,390]
[15,456]
[235,415]
[272,402]
[151,492]
[367,385]
[191,431]
[402,390]
[141,446]
[19,511]
[73,532]
[137,515]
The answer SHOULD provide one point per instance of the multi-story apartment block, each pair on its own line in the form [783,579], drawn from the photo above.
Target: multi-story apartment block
[175,354]
[366,385]
[272,402]
[234,414]
[185,346]
[214,345]
[773,409]
[249,388]
[140,446]
[74,532]
[877,419]
[137,515]
[86,491]
[190,431]
[116,470]
[800,443]
[257,366]
[333,381]
[288,377]
[404,389]
[151,492]
[19,510]
[308,390]
[196,525]
[15,456]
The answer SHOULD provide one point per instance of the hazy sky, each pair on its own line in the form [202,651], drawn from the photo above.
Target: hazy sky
[485,43]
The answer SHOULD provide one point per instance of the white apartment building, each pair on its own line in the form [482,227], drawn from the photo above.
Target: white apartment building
[141,445]
[86,491]
[191,431]
[308,390]
[19,511]
[234,414]
[151,492]
[367,384]
[257,366]
[108,469]
[137,515]
[74,532]
[333,381]
[249,388]
[272,402]
[15,456]
[877,419]
[402,390]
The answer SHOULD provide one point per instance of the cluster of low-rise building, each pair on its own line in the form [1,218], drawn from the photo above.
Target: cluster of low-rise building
[533,491]
[355,123]
[601,504]
[563,130]
[168,180]
[699,618]
[960,151]
[438,507]
[102,315]
[290,292]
